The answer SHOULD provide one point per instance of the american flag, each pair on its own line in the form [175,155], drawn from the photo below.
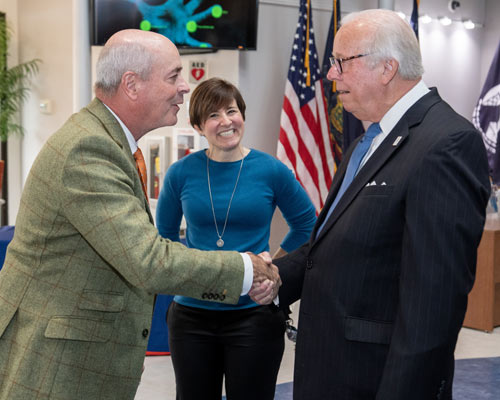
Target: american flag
[304,144]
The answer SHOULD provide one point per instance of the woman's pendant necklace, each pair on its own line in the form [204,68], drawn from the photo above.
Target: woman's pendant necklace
[220,241]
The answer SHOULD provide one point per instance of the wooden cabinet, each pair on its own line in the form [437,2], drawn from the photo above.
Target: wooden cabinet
[483,311]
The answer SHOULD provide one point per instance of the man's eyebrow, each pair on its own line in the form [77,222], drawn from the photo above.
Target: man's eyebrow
[175,71]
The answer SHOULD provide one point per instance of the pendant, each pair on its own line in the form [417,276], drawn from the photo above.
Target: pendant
[220,243]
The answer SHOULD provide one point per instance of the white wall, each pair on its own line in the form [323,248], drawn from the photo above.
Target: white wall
[453,58]
[45,32]
[491,37]
[42,29]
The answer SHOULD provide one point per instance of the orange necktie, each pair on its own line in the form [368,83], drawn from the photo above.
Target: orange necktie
[141,168]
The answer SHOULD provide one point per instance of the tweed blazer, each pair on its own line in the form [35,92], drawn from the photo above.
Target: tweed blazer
[76,289]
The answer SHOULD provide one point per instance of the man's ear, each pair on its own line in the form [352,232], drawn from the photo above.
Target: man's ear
[130,84]
[390,70]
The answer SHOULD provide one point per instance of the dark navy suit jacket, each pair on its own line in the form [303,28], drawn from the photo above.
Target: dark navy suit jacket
[384,286]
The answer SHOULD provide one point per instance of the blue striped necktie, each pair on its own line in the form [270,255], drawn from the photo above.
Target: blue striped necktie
[353,166]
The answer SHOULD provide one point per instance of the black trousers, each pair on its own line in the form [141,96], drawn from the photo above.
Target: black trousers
[245,346]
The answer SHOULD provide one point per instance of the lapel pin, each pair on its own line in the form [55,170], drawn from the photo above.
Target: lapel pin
[398,139]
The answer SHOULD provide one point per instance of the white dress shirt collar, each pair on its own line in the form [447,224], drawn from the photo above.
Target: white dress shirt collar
[392,117]
[396,112]
[130,138]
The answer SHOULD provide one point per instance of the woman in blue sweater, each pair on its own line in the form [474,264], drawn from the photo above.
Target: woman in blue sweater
[228,194]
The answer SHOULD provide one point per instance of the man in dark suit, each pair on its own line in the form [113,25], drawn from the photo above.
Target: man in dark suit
[384,279]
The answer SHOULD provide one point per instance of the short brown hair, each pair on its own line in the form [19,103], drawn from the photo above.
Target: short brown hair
[211,95]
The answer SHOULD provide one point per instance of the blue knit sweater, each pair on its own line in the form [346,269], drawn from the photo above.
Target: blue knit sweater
[264,184]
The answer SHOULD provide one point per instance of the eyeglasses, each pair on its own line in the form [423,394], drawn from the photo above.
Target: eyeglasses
[337,62]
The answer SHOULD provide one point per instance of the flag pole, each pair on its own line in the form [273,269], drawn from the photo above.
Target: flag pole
[306,61]
[335,29]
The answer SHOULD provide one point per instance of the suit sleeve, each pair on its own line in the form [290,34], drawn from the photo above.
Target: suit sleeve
[444,218]
[98,198]
[292,269]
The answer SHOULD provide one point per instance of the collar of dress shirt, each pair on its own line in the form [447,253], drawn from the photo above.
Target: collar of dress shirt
[130,138]
[395,113]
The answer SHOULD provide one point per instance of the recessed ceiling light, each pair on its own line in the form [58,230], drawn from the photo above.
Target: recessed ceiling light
[468,24]
[425,19]
[445,21]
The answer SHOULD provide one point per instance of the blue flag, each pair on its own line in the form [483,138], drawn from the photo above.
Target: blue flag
[486,117]
[414,17]
[344,127]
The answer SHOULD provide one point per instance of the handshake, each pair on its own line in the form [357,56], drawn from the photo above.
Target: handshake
[266,279]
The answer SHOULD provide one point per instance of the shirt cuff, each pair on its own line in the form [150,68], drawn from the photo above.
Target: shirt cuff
[248,278]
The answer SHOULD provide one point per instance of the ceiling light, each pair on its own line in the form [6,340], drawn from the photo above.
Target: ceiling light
[468,24]
[445,21]
[425,19]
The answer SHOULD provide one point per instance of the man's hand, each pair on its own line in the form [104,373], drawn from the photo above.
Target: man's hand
[263,268]
[266,279]
[266,256]
[264,292]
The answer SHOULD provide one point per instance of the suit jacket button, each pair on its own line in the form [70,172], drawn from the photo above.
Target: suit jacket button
[216,296]
[222,296]
[204,296]
[309,264]
[145,333]
[210,296]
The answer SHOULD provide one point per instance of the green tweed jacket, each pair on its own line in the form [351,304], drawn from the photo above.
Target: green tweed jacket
[76,289]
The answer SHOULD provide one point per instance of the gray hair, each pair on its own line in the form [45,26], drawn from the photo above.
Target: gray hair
[392,38]
[116,59]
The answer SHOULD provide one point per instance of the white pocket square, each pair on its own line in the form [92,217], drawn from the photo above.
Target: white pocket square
[374,183]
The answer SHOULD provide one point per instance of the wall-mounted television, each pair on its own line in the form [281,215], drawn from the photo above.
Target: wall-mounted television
[190,24]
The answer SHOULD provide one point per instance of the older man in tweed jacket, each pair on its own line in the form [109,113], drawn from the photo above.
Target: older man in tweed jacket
[76,289]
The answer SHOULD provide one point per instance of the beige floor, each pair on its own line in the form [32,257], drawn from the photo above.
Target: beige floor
[158,378]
